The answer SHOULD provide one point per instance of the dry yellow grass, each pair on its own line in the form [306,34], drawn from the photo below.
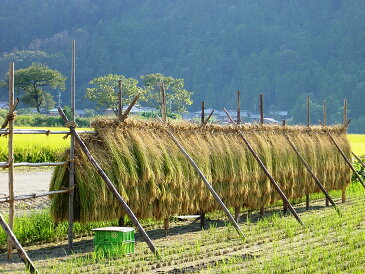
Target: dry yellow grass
[157,181]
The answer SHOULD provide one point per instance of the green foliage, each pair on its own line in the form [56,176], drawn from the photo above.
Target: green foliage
[38,227]
[31,83]
[177,98]
[105,91]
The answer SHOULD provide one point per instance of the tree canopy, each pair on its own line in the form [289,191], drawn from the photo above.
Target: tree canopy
[33,82]
[104,91]
[177,98]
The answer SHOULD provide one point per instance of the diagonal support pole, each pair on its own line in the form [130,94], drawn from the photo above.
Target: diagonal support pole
[111,186]
[22,254]
[321,187]
[126,112]
[207,184]
[359,160]
[345,158]
[263,167]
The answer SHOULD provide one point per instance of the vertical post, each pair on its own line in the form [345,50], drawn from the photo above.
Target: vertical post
[325,123]
[11,160]
[72,153]
[202,214]
[120,99]
[163,113]
[285,205]
[324,113]
[308,124]
[261,109]
[344,111]
[238,108]
[163,102]
[203,113]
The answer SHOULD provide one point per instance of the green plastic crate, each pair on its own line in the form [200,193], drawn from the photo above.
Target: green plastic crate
[123,248]
[114,240]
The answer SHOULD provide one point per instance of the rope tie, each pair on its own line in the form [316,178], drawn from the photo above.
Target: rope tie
[11,116]
[71,124]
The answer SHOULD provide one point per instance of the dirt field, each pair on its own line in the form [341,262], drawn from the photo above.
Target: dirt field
[326,243]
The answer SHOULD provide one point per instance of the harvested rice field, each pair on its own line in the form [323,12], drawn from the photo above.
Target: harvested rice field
[327,243]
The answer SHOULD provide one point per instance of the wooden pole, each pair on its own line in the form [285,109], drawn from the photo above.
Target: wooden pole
[110,186]
[308,125]
[269,176]
[71,196]
[202,214]
[321,187]
[207,184]
[345,158]
[285,206]
[324,113]
[22,254]
[129,108]
[325,123]
[359,160]
[11,160]
[120,99]
[207,120]
[163,102]
[261,109]
[344,111]
[10,114]
[238,108]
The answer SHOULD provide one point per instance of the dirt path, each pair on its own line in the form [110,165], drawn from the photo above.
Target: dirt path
[27,181]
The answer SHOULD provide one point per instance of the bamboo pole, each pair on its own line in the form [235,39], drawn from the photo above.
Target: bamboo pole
[344,111]
[35,195]
[129,108]
[22,254]
[267,173]
[345,158]
[207,184]
[238,108]
[359,160]
[120,99]
[72,153]
[202,214]
[325,123]
[207,120]
[316,180]
[163,102]
[25,164]
[285,206]
[111,186]
[11,160]
[42,131]
[261,109]
[308,125]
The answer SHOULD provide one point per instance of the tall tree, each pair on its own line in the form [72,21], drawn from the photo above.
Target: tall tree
[104,91]
[33,83]
[177,98]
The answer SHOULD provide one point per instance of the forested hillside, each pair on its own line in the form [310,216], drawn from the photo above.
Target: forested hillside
[284,49]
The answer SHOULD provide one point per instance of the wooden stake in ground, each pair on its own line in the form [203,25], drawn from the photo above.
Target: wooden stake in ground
[262,209]
[345,158]
[22,254]
[207,184]
[120,99]
[267,173]
[72,153]
[325,123]
[11,159]
[110,186]
[285,206]
[202,214]
[308,125]
[321,187]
